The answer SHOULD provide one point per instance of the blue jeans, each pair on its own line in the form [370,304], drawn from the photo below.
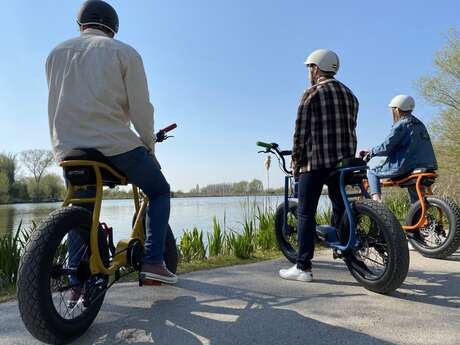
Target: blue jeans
[310,188]
[144,171]
[374,176]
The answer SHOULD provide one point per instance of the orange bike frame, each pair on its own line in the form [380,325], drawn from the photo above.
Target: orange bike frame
[420,194]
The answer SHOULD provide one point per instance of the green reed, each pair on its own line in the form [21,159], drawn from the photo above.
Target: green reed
[11,248]
[191,245]
[216,239]
[265,235]
[398,203]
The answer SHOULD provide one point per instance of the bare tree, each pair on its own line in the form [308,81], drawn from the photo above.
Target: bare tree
[36,162]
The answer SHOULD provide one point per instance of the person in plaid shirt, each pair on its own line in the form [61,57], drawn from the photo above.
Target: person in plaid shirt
[325,133]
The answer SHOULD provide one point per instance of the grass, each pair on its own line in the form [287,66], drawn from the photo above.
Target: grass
[398,203]
[11,248]
[7,293]
[265,237]
[191,245]
[213,262]
[228,260]
[216,239]
[324,217]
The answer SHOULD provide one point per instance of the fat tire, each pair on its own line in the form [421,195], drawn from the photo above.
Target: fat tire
[398,256]
[34,299]
[452,243]
[288,251]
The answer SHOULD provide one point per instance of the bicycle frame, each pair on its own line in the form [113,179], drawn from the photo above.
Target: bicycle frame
[120,257]
[421,195]
[352,242]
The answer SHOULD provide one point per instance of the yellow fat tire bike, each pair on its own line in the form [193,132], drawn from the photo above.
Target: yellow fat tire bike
[60,291]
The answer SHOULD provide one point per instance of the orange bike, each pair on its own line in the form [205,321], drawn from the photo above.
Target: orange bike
[433,222]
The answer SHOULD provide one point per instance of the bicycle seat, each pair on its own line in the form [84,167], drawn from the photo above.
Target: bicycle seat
[351,177]
[85,175]
[351,162]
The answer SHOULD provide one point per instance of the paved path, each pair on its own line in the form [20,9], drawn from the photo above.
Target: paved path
[251,305]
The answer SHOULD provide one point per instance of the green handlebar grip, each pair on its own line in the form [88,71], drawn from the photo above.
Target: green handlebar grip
[262,144]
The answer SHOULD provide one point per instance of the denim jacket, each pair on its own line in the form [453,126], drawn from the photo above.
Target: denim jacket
[407,147]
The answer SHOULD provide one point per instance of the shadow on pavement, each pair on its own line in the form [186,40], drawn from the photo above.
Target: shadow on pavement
[454,257]
[429,287]
[229,316]
[435,288]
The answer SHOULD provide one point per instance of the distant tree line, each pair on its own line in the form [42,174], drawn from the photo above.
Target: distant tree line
[24,178]
[37,185]
[253,187]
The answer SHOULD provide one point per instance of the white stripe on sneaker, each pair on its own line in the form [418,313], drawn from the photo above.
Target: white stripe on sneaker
[160,278]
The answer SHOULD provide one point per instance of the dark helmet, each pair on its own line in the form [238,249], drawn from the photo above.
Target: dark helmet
[98,12]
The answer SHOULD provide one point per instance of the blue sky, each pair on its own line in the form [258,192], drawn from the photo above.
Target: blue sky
[230,72]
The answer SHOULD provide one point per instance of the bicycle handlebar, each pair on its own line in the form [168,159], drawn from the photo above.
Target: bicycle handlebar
[262,144]
[161,135]
[169,128]
[273,148]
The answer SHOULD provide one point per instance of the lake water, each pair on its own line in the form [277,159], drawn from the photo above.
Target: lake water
[186,213]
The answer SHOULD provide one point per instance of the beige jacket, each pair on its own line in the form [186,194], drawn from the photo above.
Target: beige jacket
[97,89]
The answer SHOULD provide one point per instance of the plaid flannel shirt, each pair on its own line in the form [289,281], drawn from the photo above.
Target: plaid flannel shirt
[325,129]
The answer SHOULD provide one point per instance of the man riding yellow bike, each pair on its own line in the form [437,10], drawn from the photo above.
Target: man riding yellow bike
[97,89]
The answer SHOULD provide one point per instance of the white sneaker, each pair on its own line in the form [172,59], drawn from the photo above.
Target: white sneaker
[294,273]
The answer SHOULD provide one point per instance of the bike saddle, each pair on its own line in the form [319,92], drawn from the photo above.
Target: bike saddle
[84,175]
[351,162]
[351,178]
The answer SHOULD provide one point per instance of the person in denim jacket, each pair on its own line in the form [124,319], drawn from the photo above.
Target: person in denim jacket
[407,147]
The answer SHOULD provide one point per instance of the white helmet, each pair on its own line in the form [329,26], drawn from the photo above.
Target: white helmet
[325,59]
[403,102]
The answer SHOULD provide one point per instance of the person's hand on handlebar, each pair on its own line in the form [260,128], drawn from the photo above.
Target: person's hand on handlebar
[162,134]
[364,154]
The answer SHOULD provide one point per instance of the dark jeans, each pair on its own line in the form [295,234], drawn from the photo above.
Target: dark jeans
[310,187]
[144,171]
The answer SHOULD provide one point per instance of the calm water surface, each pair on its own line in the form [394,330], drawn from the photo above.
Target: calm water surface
[186,213]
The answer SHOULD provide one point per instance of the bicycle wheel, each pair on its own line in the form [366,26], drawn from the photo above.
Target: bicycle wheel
[287,240]
[58,297]
[439,237]
[380,261]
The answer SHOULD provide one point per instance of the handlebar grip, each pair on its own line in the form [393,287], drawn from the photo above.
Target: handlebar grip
[169,128]
[286,153]
[262,144]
